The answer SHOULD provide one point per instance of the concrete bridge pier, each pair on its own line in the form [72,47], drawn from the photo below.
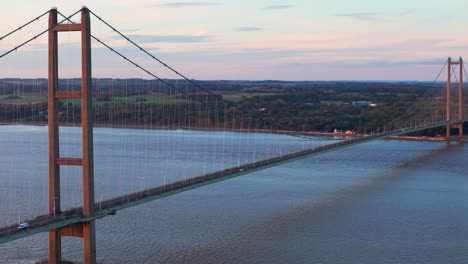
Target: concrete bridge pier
[449,116]
[85,230]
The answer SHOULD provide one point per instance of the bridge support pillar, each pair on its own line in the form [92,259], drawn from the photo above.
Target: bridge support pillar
[86,230]
[55,247]
[89,242]
[449,116]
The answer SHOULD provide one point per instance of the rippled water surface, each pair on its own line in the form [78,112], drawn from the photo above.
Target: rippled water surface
[380,202]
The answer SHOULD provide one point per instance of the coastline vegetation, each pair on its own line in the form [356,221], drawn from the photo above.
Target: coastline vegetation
[272,105]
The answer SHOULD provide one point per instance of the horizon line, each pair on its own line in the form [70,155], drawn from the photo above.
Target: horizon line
[235,80]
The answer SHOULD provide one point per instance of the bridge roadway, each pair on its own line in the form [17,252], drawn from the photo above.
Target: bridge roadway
[43,223]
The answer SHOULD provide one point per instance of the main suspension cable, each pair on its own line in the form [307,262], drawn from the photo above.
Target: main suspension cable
[127,59]
[155,58]
[24,25]
[38,35]
[404,118]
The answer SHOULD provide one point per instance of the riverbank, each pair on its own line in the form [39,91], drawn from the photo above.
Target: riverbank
[328,135]
[411,138]
[158,127]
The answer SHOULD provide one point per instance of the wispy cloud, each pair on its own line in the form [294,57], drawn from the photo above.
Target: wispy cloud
[383,64]
[426,42]
[130,30]
[169,38]
[245,54]
[189,4]
[392,63]
[248,29]
[364,16]
[277,7]
[407,12]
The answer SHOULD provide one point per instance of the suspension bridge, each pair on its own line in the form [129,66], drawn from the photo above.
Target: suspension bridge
[185,105]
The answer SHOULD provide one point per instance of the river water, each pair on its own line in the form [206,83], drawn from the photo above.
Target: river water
[380,202]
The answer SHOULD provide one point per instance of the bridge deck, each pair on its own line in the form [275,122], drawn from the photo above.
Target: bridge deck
[71,216]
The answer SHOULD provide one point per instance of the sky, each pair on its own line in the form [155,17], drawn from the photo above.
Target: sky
[250,40]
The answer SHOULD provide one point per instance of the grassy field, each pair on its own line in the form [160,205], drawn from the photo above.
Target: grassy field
[131,100]
[240,96]
[149,99]
[25,97]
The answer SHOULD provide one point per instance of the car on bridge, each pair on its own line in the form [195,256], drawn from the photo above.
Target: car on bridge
[23,226]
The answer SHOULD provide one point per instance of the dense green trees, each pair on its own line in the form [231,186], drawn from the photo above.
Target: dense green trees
[298,106]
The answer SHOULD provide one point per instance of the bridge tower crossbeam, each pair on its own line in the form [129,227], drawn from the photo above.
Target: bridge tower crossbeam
[84,230]
[449,116]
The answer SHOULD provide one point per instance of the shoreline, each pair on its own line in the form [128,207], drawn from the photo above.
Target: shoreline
[329,135]
[424,138]
[219,129]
